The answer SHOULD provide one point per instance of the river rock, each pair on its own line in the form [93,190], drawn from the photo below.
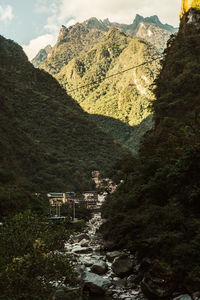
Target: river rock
[84,243]
[82,250]
[87,261]
[119,282]
[112,255]
[196,295]
[99,268]
[67,294]
[81,236]
[122,265]
[96,284]
[183,297]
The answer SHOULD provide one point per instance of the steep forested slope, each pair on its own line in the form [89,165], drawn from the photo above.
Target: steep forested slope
[124,97]
[95,49]
[156,211]
[45,135]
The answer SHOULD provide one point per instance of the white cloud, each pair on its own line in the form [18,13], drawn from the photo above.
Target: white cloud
[46,6]
[6,13]
[122,11]
[37,44]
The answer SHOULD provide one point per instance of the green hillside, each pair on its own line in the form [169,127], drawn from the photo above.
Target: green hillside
[46,138]
[156,211]
[124,97]
[72,41]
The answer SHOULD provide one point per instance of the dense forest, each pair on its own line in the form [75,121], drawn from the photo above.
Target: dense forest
[156,211]
[48,143]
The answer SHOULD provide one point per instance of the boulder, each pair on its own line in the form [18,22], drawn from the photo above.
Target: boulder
[84,243]
[122,265]
[119,282]
[96,284]
[112,255]
[196,295]
[82,250]
[81,236]
[88,261]
[99,268]
[67,294]
[183,297]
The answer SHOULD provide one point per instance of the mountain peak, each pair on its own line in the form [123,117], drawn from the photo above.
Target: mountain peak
[137,20]
[62,34]
[115,32]
[95,23]
[106,22]
[154,19]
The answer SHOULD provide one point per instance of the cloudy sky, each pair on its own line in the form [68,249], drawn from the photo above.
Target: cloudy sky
[36,23]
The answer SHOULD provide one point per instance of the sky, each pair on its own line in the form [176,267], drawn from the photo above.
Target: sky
[36,23]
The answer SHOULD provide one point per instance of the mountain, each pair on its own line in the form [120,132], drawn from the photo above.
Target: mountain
[149,29]
[124,97]
[156,212]
[81,37]
[41,56]
[46,137]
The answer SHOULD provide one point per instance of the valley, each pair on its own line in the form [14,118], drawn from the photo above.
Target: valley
[117,100]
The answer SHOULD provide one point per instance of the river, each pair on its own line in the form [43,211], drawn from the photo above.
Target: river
[96,265]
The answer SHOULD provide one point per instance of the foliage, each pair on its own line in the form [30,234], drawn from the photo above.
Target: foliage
[31,259]
[156,211]
[121,102]
[46,138]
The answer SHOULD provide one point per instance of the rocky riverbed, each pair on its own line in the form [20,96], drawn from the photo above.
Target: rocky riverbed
[108,275]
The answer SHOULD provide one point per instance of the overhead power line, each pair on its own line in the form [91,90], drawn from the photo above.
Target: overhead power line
[115,74]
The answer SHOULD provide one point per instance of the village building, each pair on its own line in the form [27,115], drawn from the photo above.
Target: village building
[56,198]
[91,199]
